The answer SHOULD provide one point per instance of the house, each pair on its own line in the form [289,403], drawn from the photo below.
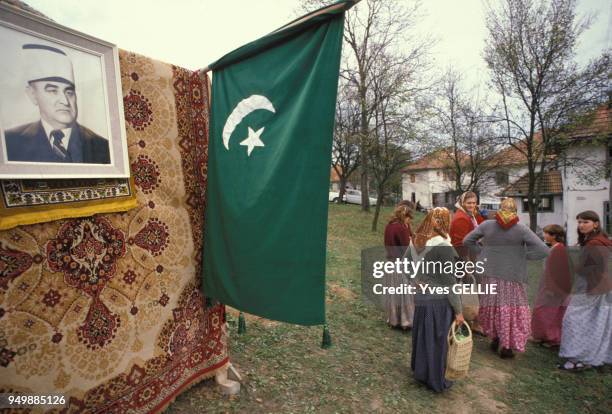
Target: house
[550,210]
[507,166]
[569,190]
[564,191]
[596,195]
[430,180]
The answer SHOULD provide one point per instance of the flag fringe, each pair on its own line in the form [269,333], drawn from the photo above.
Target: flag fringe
[326,341]
[241,324]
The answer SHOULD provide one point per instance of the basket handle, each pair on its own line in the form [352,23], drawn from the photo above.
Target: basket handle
[453,330]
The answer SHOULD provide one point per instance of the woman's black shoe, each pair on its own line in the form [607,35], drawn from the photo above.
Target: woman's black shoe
[495,345]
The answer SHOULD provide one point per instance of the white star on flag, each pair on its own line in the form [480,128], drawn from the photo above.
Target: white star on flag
[253,140]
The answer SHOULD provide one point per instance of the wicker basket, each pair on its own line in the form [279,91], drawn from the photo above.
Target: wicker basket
[459,353]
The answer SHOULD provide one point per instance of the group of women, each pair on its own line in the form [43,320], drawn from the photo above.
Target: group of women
[572,312]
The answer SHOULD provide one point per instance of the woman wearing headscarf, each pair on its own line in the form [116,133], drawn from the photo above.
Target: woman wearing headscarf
[586,336]
[466,218]
[507,245]
[434,312]
[399,309]
[553,292]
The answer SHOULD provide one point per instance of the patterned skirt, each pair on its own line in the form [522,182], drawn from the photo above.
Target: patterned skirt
[506,315]
[587,328]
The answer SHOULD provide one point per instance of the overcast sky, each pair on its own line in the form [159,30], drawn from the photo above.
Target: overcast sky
[194,33]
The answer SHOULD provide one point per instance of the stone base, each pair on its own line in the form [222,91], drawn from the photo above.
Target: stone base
[227,380]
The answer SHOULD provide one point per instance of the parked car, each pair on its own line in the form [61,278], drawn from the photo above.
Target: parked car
[334,196]
[350,196]
[354,197]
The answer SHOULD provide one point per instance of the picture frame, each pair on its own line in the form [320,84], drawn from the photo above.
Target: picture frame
[61,103]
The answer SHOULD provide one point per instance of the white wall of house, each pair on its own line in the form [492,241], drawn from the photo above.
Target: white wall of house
[427,182]
[489,187]
[544,217]
[580,196]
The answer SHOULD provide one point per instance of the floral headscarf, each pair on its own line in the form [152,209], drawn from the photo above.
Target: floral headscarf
[436,223]
[506,216]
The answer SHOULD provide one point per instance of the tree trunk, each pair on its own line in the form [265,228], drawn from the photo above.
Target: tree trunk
[532,203]
[363,126]
[377,210]
[342,189]
[365,200]
[533,218]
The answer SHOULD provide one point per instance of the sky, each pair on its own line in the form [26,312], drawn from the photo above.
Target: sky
[194,33]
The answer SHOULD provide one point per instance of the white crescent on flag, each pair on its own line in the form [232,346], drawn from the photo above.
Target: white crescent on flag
[244,107]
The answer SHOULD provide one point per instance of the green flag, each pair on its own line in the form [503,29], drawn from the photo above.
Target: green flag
[269,157]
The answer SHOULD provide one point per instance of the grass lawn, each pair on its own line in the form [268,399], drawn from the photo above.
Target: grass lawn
[367,370]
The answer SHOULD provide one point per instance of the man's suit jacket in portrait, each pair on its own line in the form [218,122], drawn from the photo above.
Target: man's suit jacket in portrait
[29,142]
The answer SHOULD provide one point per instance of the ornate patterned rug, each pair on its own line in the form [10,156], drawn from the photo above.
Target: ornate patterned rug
[107,309]
[38,201]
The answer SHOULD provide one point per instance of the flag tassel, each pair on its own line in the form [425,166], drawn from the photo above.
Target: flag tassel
[327,341]
[241,323]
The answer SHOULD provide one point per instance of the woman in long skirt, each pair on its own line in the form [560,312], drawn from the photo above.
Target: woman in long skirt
[399,309]
[507,245]
[553,293]
[586,337]
[434,312]
[467,218]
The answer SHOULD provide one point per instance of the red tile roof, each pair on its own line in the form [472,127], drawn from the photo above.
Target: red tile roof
[551,184]
[600,125]
[439,159]
[515,154]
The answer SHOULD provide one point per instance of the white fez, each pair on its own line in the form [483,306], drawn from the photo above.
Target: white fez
[47,63]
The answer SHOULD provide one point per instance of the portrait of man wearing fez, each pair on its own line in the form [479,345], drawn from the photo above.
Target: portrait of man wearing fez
[57,136]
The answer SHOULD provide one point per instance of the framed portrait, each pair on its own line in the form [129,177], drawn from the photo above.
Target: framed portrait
[61,106]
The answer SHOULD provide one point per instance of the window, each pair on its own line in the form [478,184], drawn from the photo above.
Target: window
[501,177]
[446,199]
[449,175]
[546,205]
[412,178]
[437,199]
[413,197]
[449,196]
